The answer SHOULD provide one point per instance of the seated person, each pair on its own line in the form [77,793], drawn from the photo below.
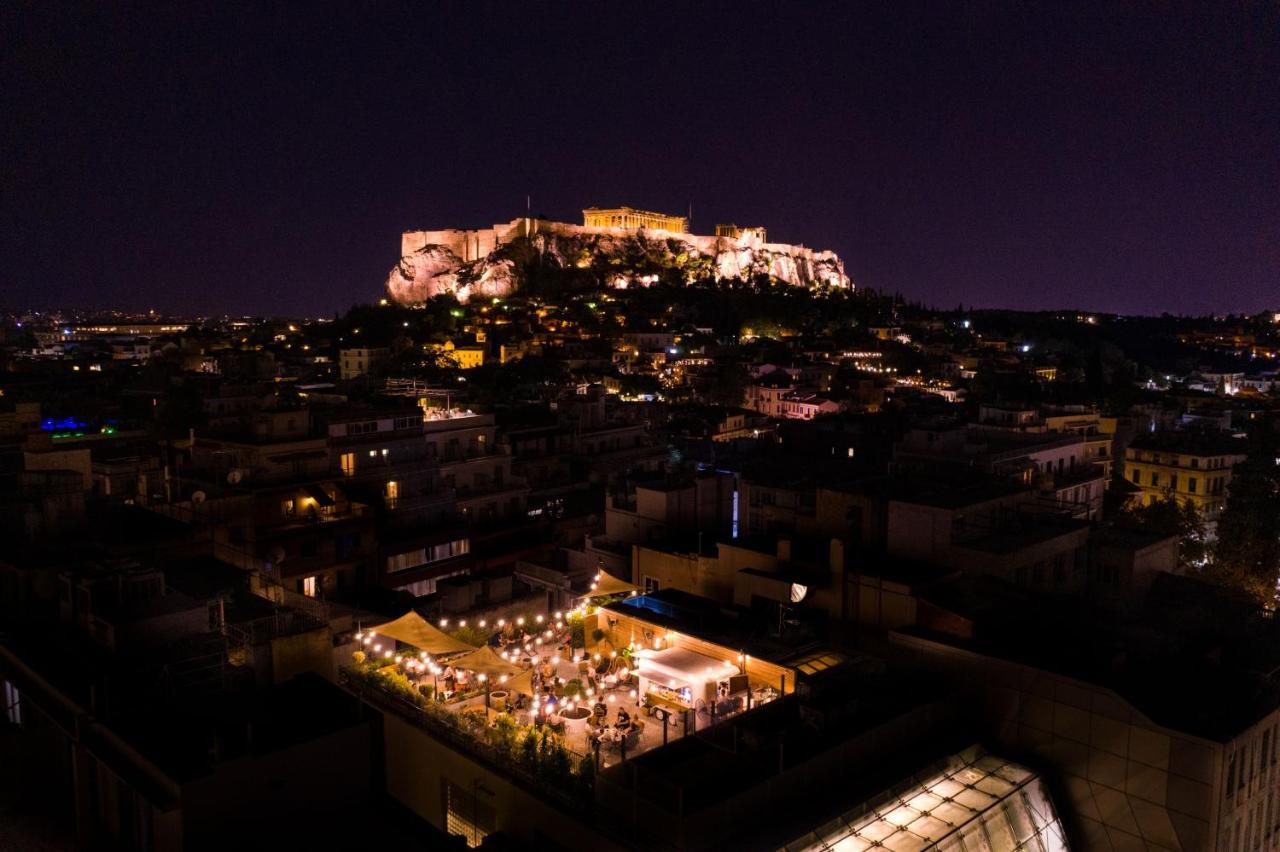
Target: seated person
[600,710]
[624,718]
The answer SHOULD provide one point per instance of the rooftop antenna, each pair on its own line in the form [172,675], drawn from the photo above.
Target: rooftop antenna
[528,206]
[689,222]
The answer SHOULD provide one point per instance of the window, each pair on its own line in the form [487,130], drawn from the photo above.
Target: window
[1191,484]
[393,492]
[289,508]
[651,585]
[309,585]
[1173,482]
[1195,462]
[11,704]
[427,555]
[468,812]
[348,464]
[1155,478]
[1137,476]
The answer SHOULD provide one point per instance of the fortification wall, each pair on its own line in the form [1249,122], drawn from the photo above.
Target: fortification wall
[432,260]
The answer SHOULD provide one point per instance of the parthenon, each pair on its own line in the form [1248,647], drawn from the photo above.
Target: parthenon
[629,217]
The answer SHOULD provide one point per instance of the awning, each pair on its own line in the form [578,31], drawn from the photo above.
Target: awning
[413,629]
[522,683]
[319,494]
[684,665]
[606,584]
[485,661]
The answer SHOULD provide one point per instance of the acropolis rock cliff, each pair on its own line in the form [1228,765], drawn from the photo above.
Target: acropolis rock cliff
[494,262]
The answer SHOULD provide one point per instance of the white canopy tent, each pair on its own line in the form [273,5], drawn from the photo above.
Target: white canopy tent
[685,666]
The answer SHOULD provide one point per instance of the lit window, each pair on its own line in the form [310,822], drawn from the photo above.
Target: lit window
[468,812]
[288,508]
[348,464]
[393,492]
[11,704]
[309,586]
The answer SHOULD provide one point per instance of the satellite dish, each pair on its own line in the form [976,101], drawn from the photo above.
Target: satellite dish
[235,476]
[798,592]
[198,496]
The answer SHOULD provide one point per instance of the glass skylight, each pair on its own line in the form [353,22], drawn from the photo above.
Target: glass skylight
[975,803]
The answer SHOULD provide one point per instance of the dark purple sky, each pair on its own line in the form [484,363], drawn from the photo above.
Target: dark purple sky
[191,159]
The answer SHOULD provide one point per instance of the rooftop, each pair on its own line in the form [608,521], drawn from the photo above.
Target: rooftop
[1200,661]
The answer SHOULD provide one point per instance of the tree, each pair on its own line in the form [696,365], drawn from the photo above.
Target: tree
[1248,547]
[729,387]
[1167,516]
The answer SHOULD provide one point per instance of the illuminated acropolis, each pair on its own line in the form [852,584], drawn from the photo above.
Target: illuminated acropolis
[471,261]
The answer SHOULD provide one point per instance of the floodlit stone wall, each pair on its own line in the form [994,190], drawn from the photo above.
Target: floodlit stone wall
[467,262]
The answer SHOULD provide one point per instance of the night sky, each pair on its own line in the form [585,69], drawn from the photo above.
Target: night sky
[191,159]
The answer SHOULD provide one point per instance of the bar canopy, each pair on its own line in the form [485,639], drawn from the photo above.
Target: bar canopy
[684,665]
[413,629]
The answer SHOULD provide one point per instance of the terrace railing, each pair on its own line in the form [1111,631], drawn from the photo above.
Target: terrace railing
[444,725]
